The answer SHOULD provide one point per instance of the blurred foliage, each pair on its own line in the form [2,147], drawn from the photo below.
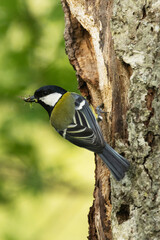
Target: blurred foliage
[46,183]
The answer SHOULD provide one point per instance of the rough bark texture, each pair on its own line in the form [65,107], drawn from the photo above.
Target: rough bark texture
[113,46]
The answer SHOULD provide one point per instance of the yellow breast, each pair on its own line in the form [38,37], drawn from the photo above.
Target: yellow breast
[63,112]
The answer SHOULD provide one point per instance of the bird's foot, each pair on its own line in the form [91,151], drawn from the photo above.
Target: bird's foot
[99,112]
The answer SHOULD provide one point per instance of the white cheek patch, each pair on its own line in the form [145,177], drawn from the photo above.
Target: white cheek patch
[51,99]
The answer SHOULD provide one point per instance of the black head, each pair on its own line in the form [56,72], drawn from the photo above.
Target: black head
[47,96]
[47,90]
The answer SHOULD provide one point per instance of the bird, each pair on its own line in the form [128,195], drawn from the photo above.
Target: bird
[71,116]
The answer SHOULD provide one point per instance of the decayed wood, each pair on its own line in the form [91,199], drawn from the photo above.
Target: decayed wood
[117,67]
[90,50]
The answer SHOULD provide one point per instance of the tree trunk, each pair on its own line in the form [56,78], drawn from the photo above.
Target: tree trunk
[113,46]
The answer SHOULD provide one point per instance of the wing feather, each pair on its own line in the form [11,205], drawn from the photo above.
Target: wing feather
[84,131]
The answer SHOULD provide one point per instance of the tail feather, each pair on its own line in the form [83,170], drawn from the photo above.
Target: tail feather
[117,164]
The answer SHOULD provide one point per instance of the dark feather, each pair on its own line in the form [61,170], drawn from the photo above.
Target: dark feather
[85,132]
[117,164]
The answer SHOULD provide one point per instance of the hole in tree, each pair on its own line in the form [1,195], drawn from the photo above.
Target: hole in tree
[123,214]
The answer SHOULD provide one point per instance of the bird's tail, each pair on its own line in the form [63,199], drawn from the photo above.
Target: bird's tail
[117,164]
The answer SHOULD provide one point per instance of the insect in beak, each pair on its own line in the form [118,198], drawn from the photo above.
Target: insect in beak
[30,99]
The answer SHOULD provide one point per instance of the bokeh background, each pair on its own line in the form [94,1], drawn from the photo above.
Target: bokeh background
[46,183]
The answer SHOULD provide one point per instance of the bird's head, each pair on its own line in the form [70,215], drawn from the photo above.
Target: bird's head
[47,96]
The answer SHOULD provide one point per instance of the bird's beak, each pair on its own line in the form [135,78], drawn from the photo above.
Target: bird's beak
[30,99]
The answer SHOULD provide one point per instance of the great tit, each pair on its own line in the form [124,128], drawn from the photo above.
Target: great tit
[72,117]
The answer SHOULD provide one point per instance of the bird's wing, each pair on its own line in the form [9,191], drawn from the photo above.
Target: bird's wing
[84,130]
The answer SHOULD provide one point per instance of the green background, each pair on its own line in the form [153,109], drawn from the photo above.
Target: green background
[46,183]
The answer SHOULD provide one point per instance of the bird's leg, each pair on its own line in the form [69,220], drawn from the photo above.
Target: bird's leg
[99,111]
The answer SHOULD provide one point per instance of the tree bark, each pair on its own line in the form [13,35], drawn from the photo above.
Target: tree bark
[113,46]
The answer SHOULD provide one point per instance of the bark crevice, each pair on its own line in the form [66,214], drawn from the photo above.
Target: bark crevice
[113,46]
